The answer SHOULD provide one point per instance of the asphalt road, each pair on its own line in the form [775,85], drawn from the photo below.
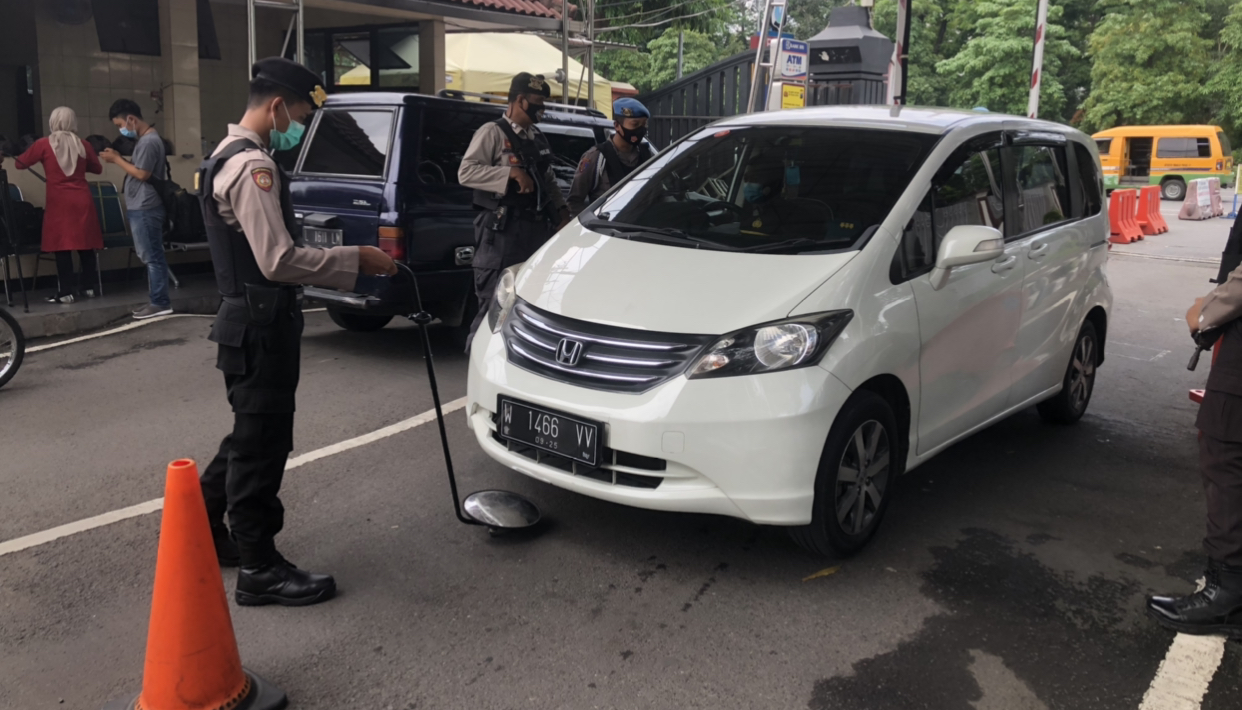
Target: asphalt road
[1009,574]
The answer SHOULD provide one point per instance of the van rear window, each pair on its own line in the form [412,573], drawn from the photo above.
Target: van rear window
[1225,149]
[349,142]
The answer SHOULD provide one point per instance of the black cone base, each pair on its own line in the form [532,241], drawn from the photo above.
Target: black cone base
[263,696]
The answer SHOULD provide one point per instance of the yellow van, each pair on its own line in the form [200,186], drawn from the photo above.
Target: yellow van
[1168,156]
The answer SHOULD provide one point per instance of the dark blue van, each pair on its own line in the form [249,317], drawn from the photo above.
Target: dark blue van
[381,169]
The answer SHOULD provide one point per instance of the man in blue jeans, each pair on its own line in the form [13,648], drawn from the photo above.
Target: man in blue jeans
[142,202]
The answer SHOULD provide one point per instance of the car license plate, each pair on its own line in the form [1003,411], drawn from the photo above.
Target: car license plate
[550,431]
[319,237]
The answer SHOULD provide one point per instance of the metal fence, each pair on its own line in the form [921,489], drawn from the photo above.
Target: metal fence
[697,99]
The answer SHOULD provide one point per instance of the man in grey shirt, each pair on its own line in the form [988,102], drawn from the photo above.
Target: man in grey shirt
[142,202]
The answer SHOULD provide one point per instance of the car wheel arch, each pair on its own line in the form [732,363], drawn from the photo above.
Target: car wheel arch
[1099,319]
[893,391]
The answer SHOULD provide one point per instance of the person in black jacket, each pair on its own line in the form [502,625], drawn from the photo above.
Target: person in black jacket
[607,163]
[1216,607]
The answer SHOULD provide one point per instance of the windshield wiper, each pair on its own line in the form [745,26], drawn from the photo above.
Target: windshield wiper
[670,234]
[787,244]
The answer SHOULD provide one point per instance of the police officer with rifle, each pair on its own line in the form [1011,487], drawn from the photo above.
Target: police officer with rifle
[259,259]
[1216,321]
[509,165]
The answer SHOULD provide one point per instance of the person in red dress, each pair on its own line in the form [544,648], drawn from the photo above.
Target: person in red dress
[69,220]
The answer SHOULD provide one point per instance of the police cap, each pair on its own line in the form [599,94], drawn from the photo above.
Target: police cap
[290,75]
[629,108]
[527,83]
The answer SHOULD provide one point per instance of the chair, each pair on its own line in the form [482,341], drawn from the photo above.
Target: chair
[111,224]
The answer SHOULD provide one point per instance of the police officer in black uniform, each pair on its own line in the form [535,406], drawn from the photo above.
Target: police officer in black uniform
[509,165]
[1216,607]
[258,259]
[610,162]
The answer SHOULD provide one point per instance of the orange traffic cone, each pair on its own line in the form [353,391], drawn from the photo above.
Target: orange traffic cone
[192,661]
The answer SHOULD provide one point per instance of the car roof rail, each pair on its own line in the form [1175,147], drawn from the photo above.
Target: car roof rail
[492,98]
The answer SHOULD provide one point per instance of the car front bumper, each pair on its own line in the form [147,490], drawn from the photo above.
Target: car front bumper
[747,447]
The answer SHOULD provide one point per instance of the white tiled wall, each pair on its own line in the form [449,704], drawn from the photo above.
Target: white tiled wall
[73,72]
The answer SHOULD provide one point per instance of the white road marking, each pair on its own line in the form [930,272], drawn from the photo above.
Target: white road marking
[131,326]
[133,511]
[1183,676]
[114,331]
[1144,354]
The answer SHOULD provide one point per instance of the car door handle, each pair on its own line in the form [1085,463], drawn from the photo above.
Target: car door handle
[1038,251]
[1004,265]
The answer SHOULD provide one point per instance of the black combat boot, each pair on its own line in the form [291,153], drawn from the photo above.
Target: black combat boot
[1216,608]
[226,550]
[280,582]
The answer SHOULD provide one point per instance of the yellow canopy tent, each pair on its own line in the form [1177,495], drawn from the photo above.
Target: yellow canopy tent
[486,62]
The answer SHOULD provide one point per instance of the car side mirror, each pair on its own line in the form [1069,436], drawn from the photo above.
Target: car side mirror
[966,244]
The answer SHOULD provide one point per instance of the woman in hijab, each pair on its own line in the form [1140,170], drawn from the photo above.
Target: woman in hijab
[69,220]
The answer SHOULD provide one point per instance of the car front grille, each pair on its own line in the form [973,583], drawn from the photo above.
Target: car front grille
[603,357]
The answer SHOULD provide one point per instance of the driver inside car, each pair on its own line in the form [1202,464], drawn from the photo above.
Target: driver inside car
[771,205]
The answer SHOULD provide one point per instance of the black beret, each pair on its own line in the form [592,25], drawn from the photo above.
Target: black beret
[303,82]
[527,83]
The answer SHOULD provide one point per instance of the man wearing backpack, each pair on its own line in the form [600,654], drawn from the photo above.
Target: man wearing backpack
[142,202]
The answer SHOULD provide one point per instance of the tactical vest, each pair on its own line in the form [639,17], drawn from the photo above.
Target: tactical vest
[534,155]
[231,254]
[614,166]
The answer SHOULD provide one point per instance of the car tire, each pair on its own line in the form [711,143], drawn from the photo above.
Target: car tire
[864,444]
[1071,402]
[1174,189]
[461,333]
[357,322]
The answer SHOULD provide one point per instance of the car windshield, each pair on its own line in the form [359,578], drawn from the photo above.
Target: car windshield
[779,189]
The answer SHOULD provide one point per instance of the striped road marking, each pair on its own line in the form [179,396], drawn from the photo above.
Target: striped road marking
[131,326]
[41,538]
[1183,676]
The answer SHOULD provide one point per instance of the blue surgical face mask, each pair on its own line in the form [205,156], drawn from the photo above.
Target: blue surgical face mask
[752,191]
[129,133]
[289,138]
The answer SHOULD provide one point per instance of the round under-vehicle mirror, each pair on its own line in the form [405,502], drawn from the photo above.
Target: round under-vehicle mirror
[503,510]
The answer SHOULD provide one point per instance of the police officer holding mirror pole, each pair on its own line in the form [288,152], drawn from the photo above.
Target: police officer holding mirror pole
[607,163]
[259,259]
[509,165]
[1216,321]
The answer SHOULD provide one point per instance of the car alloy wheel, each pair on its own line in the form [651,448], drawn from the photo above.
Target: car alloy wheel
[862,477]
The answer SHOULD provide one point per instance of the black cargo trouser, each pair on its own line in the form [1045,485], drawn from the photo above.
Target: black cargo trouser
[496,251]
[261,369]
[1220,464]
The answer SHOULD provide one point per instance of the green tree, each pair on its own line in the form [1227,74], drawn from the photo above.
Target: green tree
[993,69]
[1225,86]
[640,22]
[934,37]
[1150,61]
[808,17]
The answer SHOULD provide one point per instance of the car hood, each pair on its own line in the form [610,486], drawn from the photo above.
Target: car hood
[590,276]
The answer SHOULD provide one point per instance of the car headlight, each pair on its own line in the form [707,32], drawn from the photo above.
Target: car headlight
[506,295]
[771,347]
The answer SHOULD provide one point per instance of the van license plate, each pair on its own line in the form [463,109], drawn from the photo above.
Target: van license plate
[319,237]
[550,431]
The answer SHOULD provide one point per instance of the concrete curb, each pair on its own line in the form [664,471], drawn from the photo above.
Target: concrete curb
[70,322]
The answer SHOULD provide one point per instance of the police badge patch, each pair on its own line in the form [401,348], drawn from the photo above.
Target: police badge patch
[263,178]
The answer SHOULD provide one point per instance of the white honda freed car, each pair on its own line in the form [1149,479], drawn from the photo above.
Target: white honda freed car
[782,312]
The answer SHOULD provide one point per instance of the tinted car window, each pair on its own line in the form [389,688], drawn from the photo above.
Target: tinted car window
[779,189]
[1225,148]
[446,136]
[349,142]
[1043,189]
[568,144]
[1088,184]
[967,190]
[1184,148]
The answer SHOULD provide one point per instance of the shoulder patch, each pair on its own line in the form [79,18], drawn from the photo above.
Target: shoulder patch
[262,178]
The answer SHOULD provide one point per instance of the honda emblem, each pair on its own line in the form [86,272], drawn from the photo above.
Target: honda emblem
[568,351]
